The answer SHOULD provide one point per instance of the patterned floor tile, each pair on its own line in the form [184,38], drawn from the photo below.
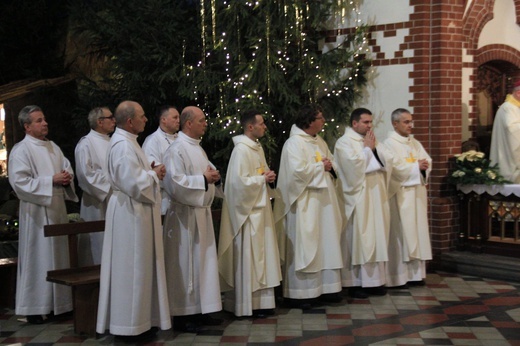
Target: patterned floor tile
[450,310]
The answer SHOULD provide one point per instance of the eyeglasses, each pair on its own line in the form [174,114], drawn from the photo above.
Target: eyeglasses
[407,122]
[110,117]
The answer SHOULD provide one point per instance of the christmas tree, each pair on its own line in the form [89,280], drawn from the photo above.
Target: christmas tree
[227,57]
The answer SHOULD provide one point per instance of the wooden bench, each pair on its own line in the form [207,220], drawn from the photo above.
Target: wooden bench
[83,280]
[8,267]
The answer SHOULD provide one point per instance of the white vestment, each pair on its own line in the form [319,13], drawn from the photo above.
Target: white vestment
[189,239]
[505,140]
[409,242]
[308,219]
[363,193]
[32,165]
[90,154]
[249,263]
[132,296]
[154,147]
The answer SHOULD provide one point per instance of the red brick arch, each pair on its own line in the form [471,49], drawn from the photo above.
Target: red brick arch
[479,13]
[497,52]
[517,9]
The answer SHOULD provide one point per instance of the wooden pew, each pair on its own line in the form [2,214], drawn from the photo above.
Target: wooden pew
[83,280]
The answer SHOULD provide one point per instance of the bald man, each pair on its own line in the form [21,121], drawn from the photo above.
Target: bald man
[189,240]
[133,301]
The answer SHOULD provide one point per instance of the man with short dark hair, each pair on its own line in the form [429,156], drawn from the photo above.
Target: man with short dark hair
[42,178]
[90,154]
[249,262]
[156,144]
[364,169]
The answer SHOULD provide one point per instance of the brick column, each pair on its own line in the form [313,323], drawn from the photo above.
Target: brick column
[437,32]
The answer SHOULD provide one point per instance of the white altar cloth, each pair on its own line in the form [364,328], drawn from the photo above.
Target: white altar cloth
[504,190]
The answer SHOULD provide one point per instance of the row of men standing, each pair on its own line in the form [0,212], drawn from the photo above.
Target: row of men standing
[330,227]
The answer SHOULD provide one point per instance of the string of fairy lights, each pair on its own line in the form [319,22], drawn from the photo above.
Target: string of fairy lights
[295,15]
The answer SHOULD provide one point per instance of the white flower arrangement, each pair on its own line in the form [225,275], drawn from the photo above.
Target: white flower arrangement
[472,167]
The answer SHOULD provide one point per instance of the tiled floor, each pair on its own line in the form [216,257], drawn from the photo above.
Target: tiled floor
[450,310]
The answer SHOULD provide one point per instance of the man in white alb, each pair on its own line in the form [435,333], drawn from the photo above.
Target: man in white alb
[249,262]
[42,178]
[90,155]
[156,144]
[363,169]
[308,217]
[505,138]
[133,301]
[189,239]
[409,243]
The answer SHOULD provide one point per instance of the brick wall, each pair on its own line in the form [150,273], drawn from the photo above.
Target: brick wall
[439,33]
[436,39]
[435,36]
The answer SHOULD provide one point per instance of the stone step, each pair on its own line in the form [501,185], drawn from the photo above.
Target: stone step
[482,265]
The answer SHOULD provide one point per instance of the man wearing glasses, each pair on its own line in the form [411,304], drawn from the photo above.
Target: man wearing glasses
[90,156]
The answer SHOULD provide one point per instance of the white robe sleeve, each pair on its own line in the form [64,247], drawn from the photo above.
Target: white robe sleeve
[152,149]
[129,176]
[183,186]
[28,186]
[91,177]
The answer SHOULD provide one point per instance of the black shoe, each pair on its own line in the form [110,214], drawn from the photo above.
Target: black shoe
[358,293]
[330,298]
[61,317]
[417,283]
[401,287]
[35,319]
[263,313]
[207,320]
[304,304]
[375,291]
[149,335]
[185,324]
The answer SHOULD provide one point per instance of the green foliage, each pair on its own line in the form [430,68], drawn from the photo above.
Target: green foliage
[138,47]
[226,57]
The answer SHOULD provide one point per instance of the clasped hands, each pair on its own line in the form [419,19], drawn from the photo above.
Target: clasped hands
[63,178]
[160,170]
[270,176]
[212,175]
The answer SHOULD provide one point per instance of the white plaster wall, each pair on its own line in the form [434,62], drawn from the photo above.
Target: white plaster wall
[384,11]
[502,29]
[387,90]
[388,86]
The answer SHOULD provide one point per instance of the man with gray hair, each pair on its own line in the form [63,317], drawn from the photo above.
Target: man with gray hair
[42,178]
[409,240]
[90,155]
[132,294]
[505,139]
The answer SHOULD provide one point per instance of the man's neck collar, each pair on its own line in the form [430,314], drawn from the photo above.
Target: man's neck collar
[165,130]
